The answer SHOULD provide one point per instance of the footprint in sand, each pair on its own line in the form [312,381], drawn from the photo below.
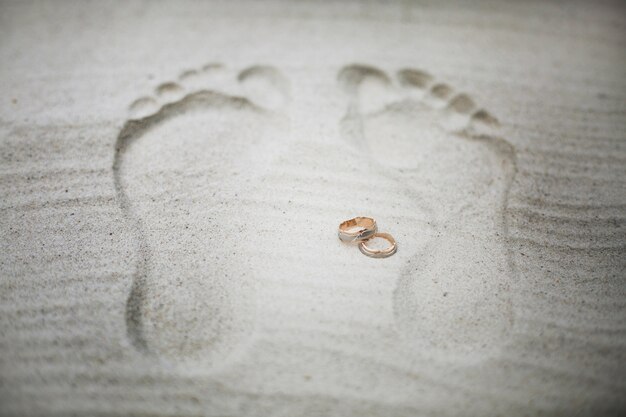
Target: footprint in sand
[453,297]
[185,159]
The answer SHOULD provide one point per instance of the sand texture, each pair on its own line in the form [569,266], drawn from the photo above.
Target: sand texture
[172,176]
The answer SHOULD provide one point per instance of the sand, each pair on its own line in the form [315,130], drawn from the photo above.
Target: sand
[173,176]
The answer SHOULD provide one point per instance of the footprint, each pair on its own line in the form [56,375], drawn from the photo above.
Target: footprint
[184,162]
[452,299]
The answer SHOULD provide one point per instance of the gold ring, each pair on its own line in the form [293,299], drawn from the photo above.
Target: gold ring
[379,253]
[357,229]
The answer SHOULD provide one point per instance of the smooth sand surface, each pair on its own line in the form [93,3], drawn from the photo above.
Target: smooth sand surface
[172,176]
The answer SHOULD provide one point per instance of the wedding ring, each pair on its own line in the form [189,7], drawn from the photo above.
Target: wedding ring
[357,229]
[379,253]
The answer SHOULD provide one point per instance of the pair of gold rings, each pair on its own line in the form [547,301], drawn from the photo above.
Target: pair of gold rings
[363,229]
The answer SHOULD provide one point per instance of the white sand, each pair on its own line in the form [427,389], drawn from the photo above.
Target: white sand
[172,178]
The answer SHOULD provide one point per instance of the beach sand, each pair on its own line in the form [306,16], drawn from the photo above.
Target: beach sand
[173,175]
